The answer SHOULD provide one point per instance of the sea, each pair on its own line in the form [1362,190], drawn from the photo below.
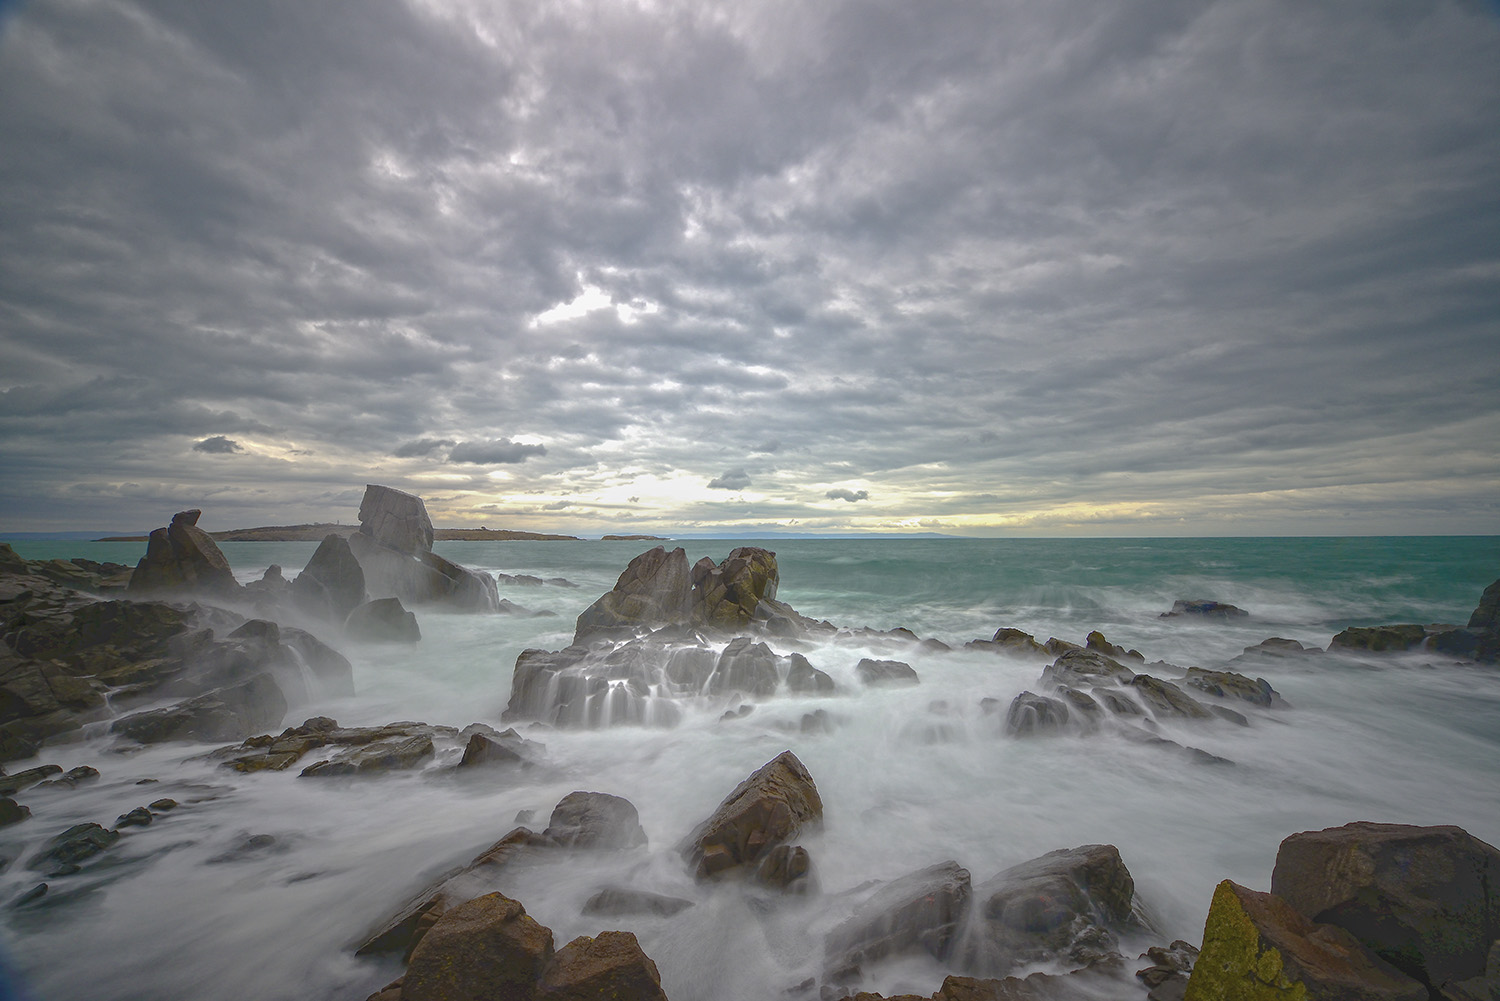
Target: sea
[908,776]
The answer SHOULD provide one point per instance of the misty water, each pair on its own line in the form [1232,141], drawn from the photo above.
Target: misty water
[908,776]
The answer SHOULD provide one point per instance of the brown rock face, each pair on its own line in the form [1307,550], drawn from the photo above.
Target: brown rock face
[765,810]
[655,589]
[183,557]
[1257,948]
[488,947]
[730,593]
[1425,899]
[609,967]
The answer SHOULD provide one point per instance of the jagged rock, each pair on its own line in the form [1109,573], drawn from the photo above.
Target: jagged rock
[615,902]
[1379,639]
[1228,684]
[1015,641]
[729,596]
[610,965]
[921,911]
[183,557]
[802,677]
[383,620]
[332,584]
[61,855]
[1066,905]
[394,550]
[745,666]
[332,669]
[1256,946]
[397,754]
[73,777]
[885,673]
[767,809]
[230,713]
[1217,610]
[504,748]
[486,947]
[1425,899]
[655,589]
[1166,699]
[395,519]
[1170,963]
[595,820]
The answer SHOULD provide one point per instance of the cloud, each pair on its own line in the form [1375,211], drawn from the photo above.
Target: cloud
[734,479]
[218,445]
[841,493]
[500,451]
[420,446]
[768,446]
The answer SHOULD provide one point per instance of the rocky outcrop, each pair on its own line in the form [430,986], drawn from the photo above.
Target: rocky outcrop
[1480,639]
[767,809]
[332,584]
[1217,611]
[182,558]
[609,965]
[1380,639]
[595,820]
[383,620]
[1256,946]
[922,911]
[885,673]
[363,750]
[486,947]
[728,596]
[394,549]
[1424,899]
[66,853]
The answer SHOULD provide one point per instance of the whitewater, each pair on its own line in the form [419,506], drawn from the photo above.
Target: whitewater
[191,908]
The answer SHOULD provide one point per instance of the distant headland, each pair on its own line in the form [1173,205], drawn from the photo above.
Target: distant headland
[316,533]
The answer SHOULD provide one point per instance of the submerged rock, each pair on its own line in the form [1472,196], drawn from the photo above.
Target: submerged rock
[767,809]
[229,713]
[1200,608]
[615,902]
[1228,684]
[61,855]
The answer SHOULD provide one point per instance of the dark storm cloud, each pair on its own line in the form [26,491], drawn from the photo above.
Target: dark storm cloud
[218,445]
[1193,258]
[845,494]
[487,453]
[734,479]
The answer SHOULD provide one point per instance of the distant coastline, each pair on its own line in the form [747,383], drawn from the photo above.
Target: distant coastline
[316,533]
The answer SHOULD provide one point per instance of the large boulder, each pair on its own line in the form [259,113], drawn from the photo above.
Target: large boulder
[1256,947]
[183,558]
[608,966]
[919,912]
[488,947]
[595,820]
[1425,899]
[332,584]
[885,673]
[383,620]
[395,519]
[394,550]
[655,589]
[1066,906]
[767,809]
[729,595]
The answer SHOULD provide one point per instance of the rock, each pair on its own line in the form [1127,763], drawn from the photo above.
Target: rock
[1486,617]
[615,902]
[488,947]
[885,673]
[332,669]
[183,557]
[595,820]
[62,855]
[395,519]
[383,620]
[1379,639]
[745,666]
[1067,905]
[730,595]
[74,777]
[332,584]
[1166,699]
[1424,899]
[767,809]
[230,713]
[922,911]
[610,965]
[1016,641]
[12,812]
[394,550]
[139,817]
[1169,963]
[162,805]
[655,589]
[1199,608]
[1255,946]
[786,869]
[1031,714]
[398,754]
[1079,668]
[1276,648]
[803,678]
[1096,641]
[504,748]
[1228,684]
[12,784]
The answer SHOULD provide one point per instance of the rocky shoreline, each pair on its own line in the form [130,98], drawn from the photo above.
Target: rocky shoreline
[176,649]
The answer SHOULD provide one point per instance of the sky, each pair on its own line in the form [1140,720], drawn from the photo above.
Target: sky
[997,267]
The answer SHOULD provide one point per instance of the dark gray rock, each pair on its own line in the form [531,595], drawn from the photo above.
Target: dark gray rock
[383,620]
[397,754]
[1031,714]
[803,678]
[332,584]
[1199,608]
[919,912]
[745,666]
[185,559]
[595,820]
[886,673]
[65,853]
[1380,639]
[619,902]
[230,713]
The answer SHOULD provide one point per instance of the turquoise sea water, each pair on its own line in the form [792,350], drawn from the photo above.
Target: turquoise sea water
[908,776]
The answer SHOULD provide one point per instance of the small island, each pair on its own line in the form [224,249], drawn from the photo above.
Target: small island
[318,532]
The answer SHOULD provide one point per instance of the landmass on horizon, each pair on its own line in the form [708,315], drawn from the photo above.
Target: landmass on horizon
[317,532]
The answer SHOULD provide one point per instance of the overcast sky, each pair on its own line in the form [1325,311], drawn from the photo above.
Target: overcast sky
[1014,267]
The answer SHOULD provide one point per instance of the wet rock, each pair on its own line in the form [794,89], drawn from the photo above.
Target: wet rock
[394,549]
[1032,714]
[615,902]
[803,678]
[485,947]
[248,847]
[885,673]
[383,620]
[139,817]
[12,812]
[37,892]
[655,589]
[729,596]
[1379,639]
[1425,899]
[74,777]
[504,748]
[745,666]
[1168,963]
[1096,641]
[1274,649]
[920,912]
[767,809]
[1012,641]
[1228,684]
[1166,699]
[12,784]
[61,855]
[1068,905]
[1079,668]
[1198,608]
[183,558]
[1257,946]
[331,669]
[230,713]
[162,805]
[595,820]
[786,869]
[398,754]
[332,584]
[610,965]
